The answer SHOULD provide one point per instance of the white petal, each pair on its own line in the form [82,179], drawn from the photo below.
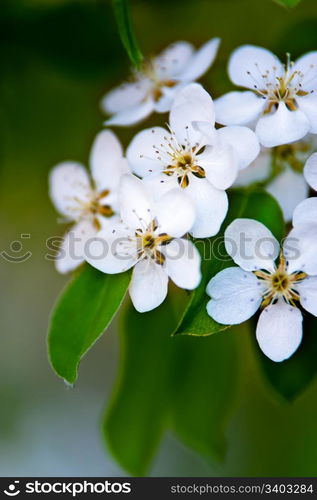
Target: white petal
[164,103]
[258,171]
[159,184]
[307,65]
[112,250]
[300,249]
[132,114]
[235,296]
[279,331]
[201,61]
[305,212]
[183,263]
[211,207]
[310,171]
[308,294]
[308,105]
[69,188]
[125,95]
[289,188]
[175,213]
[72,249]
[173,60]
[238,108]
[106,161]
[220,165]
[143,151]
[191,104]
[243,141]
[105,222]
[251,244]
[248,63]
[135,202]
[282,126]
[148,287]
[207,130]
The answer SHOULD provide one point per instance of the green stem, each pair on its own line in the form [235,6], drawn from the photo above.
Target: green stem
[128,38]
[288,3]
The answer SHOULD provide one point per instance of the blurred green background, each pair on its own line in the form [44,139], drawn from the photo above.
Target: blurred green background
[58,57]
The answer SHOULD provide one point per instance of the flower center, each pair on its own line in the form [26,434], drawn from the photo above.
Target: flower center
[149,71]
[275,88]
[157,91]
[183,163]
[148,243]
[280,284]
[97,205]
[91,207]
[178,159]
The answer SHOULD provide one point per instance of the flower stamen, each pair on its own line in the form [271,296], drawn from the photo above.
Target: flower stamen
[181,159]
[275,88]
[148,242]
[280,284]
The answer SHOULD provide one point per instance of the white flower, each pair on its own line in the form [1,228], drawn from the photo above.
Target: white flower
[310,171]
[282,102]
[149,238]
[89,203]
[238,292]
[194,157]
[280,170]
[156,84]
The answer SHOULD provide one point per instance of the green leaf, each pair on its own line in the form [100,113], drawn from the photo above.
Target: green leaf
[288,3]
[184,382]
[124,22]
[82,313]
[255,204]
[291,377]
[204,386]
[137,414]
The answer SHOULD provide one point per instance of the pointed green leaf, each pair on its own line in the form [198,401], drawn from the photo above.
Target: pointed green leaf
[291,377]
[80,316]
[254,204]
[124,22]
[137,414]
[204,384]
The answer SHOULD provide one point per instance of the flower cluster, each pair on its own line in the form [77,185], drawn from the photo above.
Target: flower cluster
[142,209]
